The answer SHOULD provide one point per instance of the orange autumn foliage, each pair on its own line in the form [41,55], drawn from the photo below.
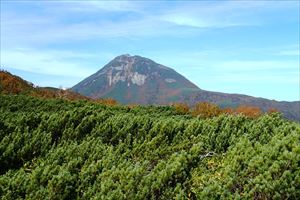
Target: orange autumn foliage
[249,111]
[206,110]
[228,111]
[107,101]
[43,93]
[10,84]
[181,108]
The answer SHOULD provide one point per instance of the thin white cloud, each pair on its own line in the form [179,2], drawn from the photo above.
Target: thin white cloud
[96,6]
[56,22]
[29,32]
[223,14]
[46,62]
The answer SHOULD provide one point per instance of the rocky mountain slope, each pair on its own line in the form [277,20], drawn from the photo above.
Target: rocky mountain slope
[139,80]
[134,79]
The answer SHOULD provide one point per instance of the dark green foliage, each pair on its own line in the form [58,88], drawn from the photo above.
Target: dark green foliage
[57,149]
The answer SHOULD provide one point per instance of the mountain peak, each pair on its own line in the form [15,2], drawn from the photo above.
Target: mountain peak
[135,79]
[136,63]
[129,58]
[123,56]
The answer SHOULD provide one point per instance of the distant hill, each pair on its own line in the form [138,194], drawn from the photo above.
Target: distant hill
[12,84]
[139,80]
[290,110]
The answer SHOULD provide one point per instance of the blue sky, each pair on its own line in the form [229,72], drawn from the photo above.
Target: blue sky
[247,47]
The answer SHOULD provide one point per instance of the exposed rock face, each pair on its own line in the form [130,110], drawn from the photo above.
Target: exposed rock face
[137,78]
[133,77]
[170,80]
[125,72]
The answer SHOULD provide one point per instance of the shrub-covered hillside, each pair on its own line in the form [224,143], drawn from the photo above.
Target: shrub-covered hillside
[12,84]
[59,149]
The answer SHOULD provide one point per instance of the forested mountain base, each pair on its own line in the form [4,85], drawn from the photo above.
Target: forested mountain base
[59,149]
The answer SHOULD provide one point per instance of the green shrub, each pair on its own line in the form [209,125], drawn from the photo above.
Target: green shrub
[59,149]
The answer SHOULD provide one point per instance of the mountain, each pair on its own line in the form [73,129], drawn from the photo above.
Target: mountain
[134,79]
[139,80]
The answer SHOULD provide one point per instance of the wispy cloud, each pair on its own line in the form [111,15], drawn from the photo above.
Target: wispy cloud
[96,6]
[222,14]
[205,15]
[46,62]
[57,22]
[50,30]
